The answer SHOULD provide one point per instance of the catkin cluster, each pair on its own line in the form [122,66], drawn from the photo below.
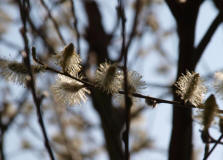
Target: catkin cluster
[71,91]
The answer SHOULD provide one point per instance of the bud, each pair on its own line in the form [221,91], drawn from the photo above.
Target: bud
[151,102]
[209,112]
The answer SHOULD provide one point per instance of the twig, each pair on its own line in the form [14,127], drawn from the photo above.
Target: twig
[24,11]
[212,140]
[54,22]
[206,150]
[136,18]
[134,27]
[75,24]
[87,84]
[212,149]
[128,102]
[55,71]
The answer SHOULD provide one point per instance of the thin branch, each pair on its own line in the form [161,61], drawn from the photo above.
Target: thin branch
[207,37]
[137,95]
[134,27]
[54,22]
[214,140]
[75,24]
[206,150]
[212,149]
[24,11]
[55,71]
[128,102]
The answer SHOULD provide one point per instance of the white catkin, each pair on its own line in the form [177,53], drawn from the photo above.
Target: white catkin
[108,78]
[17,72]
[68,91]
[69,60]
[190,88]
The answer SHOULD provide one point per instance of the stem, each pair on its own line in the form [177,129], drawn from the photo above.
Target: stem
[89,85]
[24,10]
[207,37]
[127,98]
[133,31]
[206,150]
[212,149]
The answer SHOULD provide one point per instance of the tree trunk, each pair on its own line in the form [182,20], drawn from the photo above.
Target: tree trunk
[181,139]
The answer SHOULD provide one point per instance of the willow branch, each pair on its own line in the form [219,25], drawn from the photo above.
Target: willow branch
[137,95]
[24,11]
[207,37]
[134,27]
[127,98]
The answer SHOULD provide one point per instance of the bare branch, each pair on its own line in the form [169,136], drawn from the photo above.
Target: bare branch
[24,10]
[212,149]
[207,37]
[89,85]
[133,31]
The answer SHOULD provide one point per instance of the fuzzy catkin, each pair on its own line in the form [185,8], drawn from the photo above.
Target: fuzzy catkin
[69,91]
[69,60]
[108,78]
[190,88]
[135,82]
[17,72]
